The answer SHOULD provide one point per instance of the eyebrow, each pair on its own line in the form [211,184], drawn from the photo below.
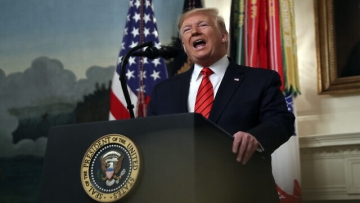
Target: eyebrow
[199,22]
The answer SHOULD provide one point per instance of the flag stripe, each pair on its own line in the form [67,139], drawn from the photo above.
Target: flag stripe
[289,47]
[252,33]
[275,43]
[240,47]
[118,108]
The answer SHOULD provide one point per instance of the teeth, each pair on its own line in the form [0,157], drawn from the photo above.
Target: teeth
[198,42]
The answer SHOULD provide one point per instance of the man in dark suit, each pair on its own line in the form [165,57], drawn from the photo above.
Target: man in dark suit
[247,101]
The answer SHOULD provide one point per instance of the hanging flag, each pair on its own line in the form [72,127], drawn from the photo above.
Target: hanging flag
[263,39]
[181,63]
[251,33]
[191,4]
[141,73]
[269,41]
[275,62]
[237,31]
[289,47]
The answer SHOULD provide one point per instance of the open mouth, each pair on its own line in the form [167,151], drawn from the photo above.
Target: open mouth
[199,43]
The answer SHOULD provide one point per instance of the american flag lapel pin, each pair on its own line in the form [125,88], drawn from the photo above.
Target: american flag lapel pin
[236,79]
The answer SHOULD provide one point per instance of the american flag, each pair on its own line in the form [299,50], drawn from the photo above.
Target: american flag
[141,73]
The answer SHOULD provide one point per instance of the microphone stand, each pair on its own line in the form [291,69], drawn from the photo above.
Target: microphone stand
[122,77]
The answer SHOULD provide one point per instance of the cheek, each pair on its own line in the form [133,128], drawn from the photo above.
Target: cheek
[187,46]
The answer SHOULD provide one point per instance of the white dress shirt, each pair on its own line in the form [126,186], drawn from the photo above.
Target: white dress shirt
[218,68]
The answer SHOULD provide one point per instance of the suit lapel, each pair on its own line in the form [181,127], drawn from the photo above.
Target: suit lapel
[232,79]
[182,87]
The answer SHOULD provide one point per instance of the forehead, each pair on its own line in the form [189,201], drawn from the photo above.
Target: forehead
[197,17]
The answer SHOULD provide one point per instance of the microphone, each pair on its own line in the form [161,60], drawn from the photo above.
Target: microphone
[152,52]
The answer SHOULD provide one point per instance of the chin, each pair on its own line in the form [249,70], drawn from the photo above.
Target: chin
[201,55]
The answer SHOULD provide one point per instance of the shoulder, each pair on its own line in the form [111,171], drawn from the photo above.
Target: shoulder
[253,72]
[180,78]
[259,77]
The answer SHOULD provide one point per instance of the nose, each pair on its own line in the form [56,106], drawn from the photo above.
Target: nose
[195,31]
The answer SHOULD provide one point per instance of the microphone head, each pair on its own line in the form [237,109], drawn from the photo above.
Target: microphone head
[168,52]
[153,52]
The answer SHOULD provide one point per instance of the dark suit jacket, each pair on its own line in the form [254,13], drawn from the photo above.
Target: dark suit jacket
[248,99]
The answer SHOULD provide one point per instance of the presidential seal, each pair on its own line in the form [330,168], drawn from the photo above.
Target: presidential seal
[110,168]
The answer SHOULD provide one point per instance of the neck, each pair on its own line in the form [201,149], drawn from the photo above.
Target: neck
[209,63]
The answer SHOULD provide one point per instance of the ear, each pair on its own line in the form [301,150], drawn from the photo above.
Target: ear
[224,37]
[183,46]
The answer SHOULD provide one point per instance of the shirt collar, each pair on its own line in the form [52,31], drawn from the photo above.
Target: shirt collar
[218,67]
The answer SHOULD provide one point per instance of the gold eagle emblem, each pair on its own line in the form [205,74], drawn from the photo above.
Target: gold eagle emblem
[111,165]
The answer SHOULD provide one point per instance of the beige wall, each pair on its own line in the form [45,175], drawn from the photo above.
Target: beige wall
[223,6]
[319,114]
[328,125]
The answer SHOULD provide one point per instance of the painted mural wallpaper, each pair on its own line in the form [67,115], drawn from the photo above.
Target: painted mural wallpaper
[57,60]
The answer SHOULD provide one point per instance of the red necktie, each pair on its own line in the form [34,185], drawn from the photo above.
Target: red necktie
[205,94]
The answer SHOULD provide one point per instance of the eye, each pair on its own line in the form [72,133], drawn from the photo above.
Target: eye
[186,29]
[203,24]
